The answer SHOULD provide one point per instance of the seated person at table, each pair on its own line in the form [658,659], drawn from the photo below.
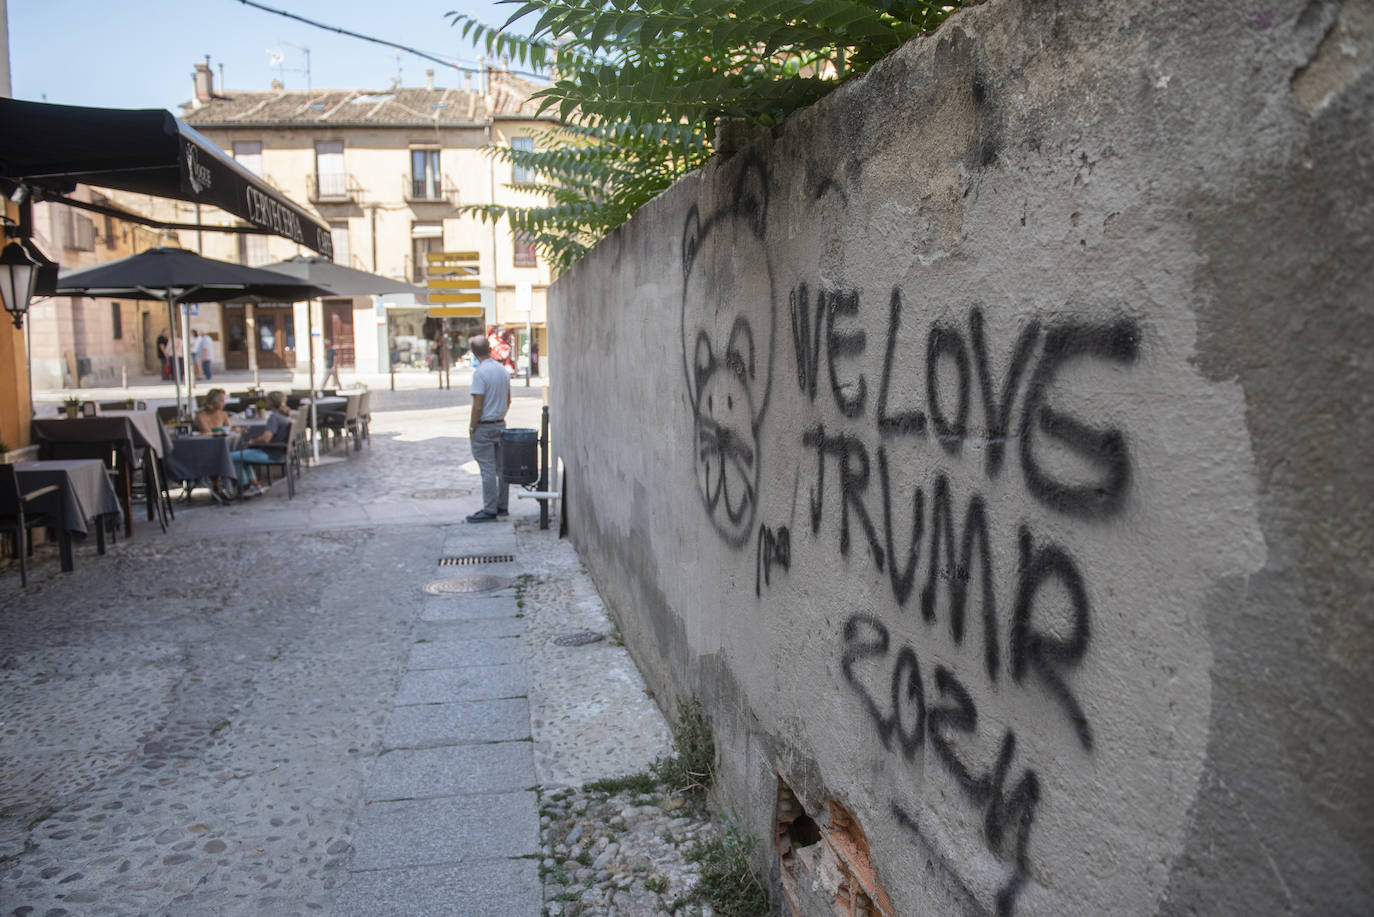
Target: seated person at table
[212,418]
[278,420]
[278,431]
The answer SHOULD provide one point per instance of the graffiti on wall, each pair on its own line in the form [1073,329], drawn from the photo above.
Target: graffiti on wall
[727,352]
[896,463]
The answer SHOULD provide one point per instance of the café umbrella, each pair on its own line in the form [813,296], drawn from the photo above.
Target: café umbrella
[175,276]
[339,280]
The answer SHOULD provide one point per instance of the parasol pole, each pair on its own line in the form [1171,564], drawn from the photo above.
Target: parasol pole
[314,420]
[172,325]
[186,356]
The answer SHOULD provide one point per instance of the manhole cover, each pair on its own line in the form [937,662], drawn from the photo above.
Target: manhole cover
[440,493]
[581,638]
[465,585]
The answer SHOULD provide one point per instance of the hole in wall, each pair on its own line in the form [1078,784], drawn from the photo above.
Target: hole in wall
[825,867]
[804,831]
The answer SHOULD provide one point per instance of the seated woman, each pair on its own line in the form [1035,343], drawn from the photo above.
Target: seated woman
[212,418]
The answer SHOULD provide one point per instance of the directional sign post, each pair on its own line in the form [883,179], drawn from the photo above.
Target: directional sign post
[454,279]
[454,292]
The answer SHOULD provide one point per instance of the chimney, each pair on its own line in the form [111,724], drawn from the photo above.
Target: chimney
[204,80]
[467,80]
[277,86]
[429,78]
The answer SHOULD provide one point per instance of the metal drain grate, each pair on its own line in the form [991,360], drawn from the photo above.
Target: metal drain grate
[467,560]
[581,638]
[466,585]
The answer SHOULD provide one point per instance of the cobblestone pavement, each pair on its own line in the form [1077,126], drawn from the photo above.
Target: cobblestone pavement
[262,712]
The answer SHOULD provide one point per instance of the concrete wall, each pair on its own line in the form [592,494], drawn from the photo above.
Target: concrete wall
[988,449]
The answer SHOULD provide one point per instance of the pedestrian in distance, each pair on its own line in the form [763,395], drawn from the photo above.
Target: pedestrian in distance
[490,402]
[177,352]
[331,365]
[206,355]
[164,354]
[195,354]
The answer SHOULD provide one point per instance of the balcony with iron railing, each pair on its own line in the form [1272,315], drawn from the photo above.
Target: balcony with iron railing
[428,189]
[332,187]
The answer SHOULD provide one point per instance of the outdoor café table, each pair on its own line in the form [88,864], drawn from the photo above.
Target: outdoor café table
[110,433]
[85,493]
[148,424]
[202,455]
[159,445]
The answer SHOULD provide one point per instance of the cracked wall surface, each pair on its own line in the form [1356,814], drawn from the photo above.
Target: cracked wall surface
[987,449]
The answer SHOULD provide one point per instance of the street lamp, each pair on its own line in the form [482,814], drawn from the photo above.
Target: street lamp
[18,274]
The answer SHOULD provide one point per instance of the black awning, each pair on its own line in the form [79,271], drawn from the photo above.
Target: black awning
[147,151]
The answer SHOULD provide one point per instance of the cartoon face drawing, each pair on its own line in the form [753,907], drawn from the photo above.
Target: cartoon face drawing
[728,325]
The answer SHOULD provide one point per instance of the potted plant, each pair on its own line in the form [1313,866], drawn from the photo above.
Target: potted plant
[72,407]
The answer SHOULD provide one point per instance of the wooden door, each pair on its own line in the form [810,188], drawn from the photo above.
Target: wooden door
[338,328]
[276,337]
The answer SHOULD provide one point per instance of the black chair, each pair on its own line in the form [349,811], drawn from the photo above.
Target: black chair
[365,417]
[18,515]
[167,414]
[344,424]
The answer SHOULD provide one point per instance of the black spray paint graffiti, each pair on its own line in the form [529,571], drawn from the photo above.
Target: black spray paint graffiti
[728,362]
[943,544]
[774,549]
[905,721]
[1102,449]
[941,548]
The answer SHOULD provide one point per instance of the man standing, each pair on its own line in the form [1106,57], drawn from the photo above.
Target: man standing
[164,354]
[195,353]
[490,401]
[207,354]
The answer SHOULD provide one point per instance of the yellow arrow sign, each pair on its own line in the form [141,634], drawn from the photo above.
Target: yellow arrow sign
[467,284]
[455,297]
[437,257]
[456,312]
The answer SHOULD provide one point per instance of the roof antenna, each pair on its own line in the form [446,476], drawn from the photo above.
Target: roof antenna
[306,51]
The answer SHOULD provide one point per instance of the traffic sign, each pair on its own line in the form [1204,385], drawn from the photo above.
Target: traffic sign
[438,264]
[455,312]
[475,296]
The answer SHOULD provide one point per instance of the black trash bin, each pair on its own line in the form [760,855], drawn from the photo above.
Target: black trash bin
[520,456]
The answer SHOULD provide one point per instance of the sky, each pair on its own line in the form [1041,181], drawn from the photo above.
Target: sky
[140,53]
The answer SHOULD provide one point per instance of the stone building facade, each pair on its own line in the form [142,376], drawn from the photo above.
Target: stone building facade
[387,170]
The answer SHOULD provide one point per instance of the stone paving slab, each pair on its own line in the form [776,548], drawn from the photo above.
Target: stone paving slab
[500,888]
[452,770]
[396,513]
[473,682]
[468,629]
[346,514]
[486,538]
[462,829]
[448,724]
[455,653]
[465,608]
